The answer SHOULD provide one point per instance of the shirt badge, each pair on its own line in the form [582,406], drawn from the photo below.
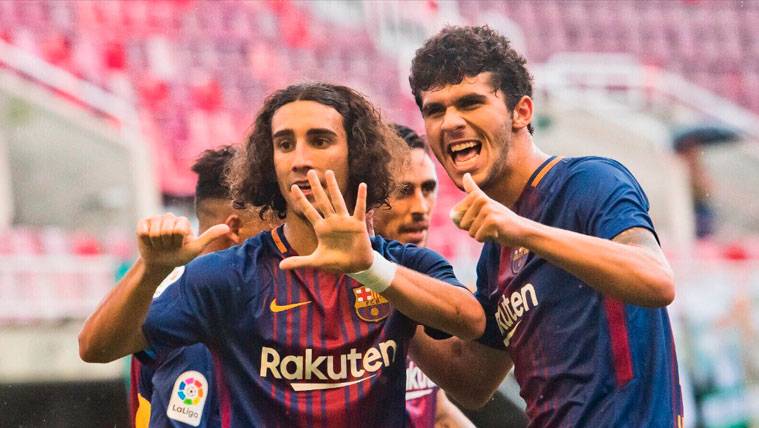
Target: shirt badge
[370,306]
[518,259]
[188,398]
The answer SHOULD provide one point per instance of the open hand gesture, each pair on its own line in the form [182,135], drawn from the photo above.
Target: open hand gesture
[343,240]
[167,241]
[484,218]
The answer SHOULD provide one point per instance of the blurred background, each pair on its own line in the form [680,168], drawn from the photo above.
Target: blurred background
[104,105]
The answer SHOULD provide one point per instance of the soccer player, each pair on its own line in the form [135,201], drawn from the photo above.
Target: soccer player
[406,219]
[571,275]
[309,324]
[155,383]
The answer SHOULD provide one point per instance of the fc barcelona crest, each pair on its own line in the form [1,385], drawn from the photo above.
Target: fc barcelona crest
[370,305]
[518,259]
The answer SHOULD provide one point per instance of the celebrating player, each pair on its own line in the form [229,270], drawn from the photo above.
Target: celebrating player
[571,275]
[406,219]
[155,383]
[299,320]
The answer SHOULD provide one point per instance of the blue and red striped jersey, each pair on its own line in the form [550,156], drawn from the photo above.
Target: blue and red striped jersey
[421,397]
[161,384]
[581,358]
[293,348]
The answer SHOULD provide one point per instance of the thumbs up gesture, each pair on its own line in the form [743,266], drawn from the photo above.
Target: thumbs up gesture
[167,240]
[486,219]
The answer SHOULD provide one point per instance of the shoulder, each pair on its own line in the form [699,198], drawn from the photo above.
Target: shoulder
[226,266]
[589,168]
[407,255]
[596,178]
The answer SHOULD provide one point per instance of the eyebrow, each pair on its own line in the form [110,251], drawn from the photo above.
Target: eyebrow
[316,132]
[471,97]
[311,133]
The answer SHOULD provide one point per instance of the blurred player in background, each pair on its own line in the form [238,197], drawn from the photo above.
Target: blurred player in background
[155,382]
[406,219]
[299,320]
[571,274]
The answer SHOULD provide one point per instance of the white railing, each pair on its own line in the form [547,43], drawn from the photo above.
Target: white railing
[43,288]
[33,68]
[622,75]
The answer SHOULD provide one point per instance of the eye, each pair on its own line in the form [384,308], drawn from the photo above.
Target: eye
[429,188]
[405,190]
[320,141]
[468,104]
[432,111]
[283,144]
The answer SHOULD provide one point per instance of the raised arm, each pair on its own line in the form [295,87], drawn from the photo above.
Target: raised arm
[115,328]
[344,246]
[631,267]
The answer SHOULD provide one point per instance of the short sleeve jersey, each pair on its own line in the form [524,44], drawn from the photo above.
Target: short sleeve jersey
[177,389]
[581,358]
[293,348]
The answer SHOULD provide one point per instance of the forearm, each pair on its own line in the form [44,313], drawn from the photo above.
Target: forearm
[435,303]
[631,273]
[447,415]
[468,371]
[115,328]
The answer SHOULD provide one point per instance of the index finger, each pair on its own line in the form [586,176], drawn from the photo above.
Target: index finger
[302,203]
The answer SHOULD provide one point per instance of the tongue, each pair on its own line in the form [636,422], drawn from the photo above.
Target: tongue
[465,155]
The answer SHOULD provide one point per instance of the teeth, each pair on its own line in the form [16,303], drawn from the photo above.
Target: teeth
[462,146]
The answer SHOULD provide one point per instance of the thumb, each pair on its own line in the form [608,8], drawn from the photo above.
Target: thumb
[295,262]
[213,233]
[469,184]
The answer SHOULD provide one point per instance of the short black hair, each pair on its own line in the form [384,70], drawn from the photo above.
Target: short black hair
[211,167]
[410,136]
[458,52]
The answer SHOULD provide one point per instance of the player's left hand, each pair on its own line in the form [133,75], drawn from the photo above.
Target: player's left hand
[486,219]
[343,239]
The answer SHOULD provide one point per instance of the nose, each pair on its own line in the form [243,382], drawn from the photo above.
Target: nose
[452,121]
[302,157]
[420,206]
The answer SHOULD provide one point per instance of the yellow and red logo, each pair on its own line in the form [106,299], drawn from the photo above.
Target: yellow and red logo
[370,305]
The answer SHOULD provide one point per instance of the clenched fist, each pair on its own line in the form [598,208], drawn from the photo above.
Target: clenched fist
[167,241]
[486,219]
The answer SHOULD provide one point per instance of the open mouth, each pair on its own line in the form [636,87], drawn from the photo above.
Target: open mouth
[304,187]
[464,151]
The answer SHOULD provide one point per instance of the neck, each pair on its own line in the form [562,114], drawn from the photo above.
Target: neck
[522,163]
[299,233]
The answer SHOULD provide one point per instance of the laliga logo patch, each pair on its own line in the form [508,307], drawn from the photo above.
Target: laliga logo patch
[172,278]
[370,306]
[519,258]
[187,398]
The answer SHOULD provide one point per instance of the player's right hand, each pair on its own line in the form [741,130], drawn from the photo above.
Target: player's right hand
[167,241]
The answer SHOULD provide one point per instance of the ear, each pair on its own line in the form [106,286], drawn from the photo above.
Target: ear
[521,116]
[235,224]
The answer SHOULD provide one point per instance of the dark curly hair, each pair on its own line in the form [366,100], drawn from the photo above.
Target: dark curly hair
[371,147]
[458,52]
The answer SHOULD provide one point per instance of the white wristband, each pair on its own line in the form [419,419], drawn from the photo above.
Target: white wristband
[379,275]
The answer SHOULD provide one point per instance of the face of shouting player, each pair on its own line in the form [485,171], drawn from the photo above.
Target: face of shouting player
[308,135]
[469,128]
[407,218]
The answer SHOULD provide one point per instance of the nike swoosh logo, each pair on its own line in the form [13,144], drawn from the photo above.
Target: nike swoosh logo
[279,308]
[513,330]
